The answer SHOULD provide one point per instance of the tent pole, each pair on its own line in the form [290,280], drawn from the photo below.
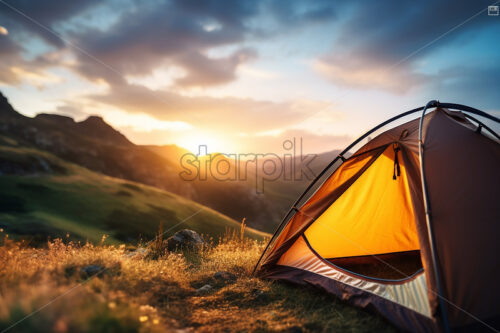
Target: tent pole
[483,125]
[469,109]
[427,208]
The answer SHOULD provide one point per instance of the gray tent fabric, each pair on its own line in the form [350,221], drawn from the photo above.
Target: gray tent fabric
[463,176]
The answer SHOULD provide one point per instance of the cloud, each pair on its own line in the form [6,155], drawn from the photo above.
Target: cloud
[145,36]
[142,37]
[22,15]
[10,55]
[182,34]
[14,68]
[353,73]
[171,33]
[293,12]
[220,114]
[204,71]
[474,86]
[377,37]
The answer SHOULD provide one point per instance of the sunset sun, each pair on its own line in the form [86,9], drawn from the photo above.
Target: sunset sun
[195,142]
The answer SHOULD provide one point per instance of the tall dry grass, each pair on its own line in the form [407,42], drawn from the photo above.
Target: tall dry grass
[152,290]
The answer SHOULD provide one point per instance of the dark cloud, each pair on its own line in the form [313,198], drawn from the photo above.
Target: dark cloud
[295,12]
[230,14]
[203,71]
[161,33]
[391,30]
[47,13]
[146,35]
[172,33]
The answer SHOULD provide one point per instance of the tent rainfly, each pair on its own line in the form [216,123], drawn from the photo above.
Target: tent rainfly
[408,226]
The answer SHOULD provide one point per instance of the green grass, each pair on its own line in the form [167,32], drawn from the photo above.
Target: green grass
[86,205]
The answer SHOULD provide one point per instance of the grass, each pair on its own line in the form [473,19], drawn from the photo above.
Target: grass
[86,204]
[134,293]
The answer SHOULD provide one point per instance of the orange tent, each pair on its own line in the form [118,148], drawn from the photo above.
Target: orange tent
[407,226]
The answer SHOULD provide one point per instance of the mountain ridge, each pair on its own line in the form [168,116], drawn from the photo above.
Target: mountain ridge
[97,146]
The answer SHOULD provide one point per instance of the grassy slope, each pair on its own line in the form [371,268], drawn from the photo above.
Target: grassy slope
[87,205]
[135,294]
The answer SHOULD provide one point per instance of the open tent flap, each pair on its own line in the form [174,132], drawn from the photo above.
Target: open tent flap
[331,189]
[371,226]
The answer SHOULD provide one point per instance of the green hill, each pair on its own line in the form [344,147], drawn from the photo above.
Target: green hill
[44,196]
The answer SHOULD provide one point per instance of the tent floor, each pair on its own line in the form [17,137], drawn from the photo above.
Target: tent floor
[391,266]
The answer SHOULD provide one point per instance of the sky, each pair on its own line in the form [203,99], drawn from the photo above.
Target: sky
[245,76]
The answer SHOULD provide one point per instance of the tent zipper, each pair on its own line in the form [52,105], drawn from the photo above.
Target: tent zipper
[397,169]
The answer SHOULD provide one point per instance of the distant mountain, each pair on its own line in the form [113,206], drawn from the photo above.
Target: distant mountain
[96,145]
[93,144]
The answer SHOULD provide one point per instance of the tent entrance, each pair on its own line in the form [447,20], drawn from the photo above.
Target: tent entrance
[370,229]
[389,266]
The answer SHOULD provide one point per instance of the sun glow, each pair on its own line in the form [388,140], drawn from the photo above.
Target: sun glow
[194,142]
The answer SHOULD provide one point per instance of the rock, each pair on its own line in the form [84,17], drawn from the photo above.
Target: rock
[204,289]
[185,240]
[140,253]
[224,276]
[92,270]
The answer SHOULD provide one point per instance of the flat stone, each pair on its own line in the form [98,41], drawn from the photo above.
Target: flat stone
[204,289]
[224,276]
[91,270]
